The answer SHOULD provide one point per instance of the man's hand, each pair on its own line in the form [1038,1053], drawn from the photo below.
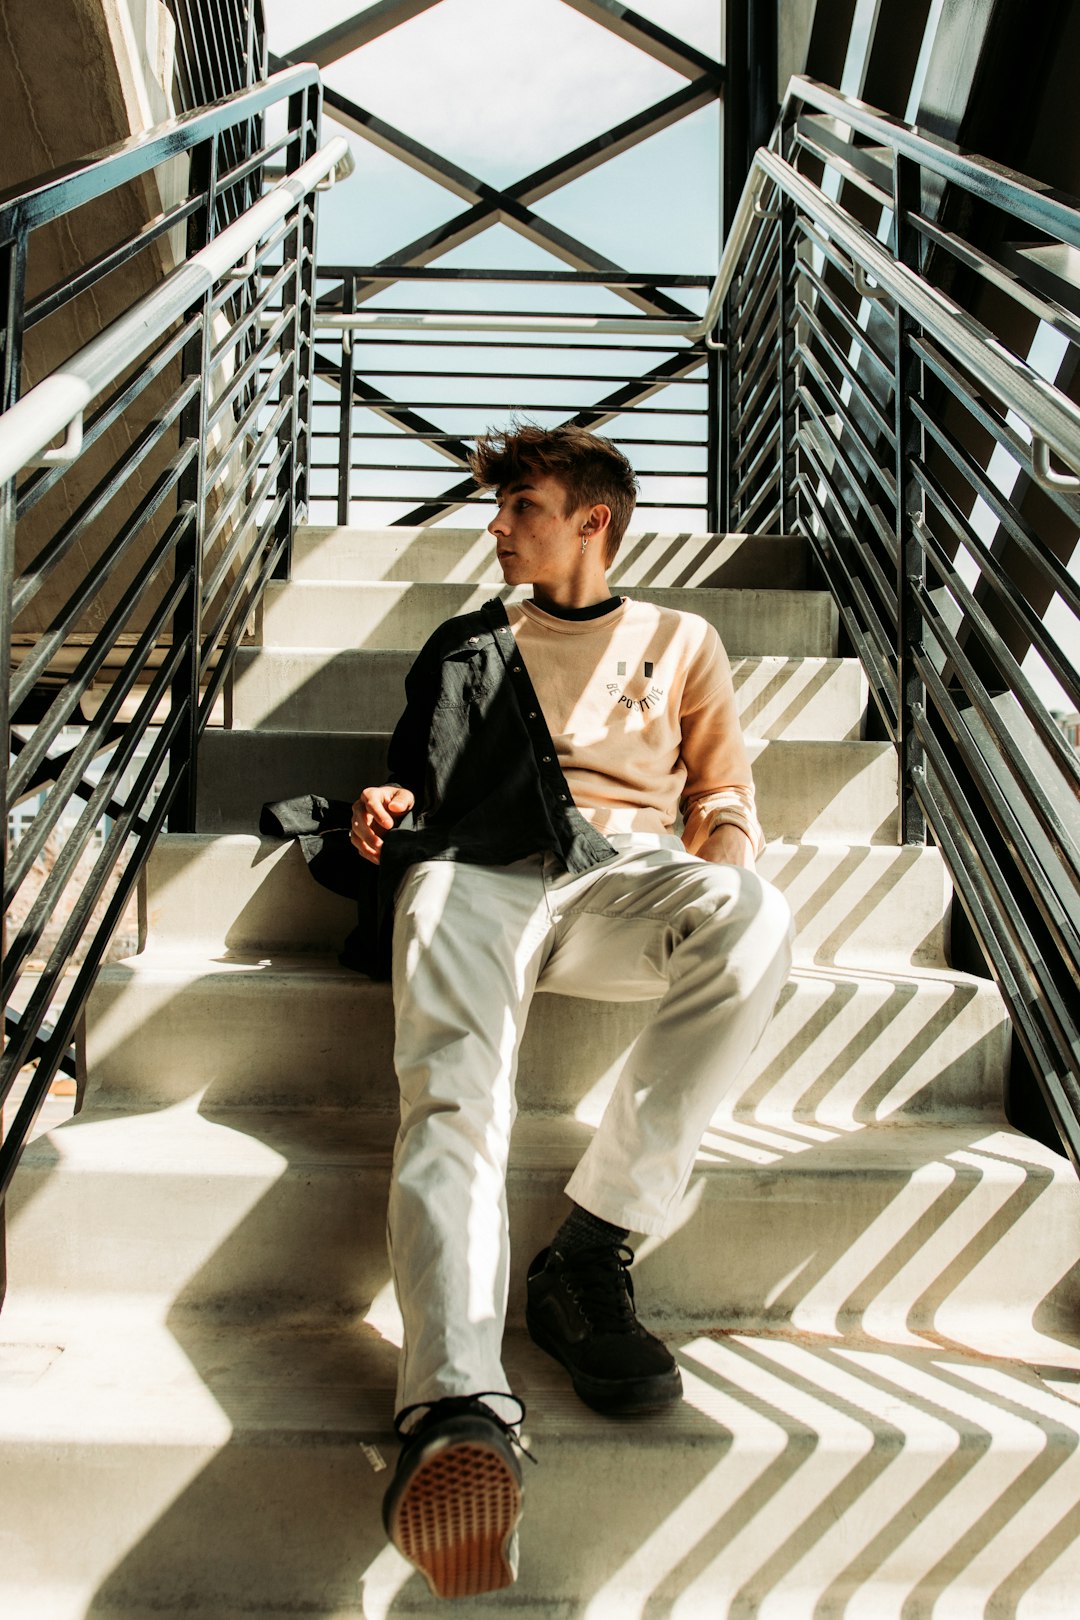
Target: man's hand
[375,812]
[728,845]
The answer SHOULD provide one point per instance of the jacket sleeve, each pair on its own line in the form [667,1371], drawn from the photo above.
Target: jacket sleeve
[407,755]
[719,782]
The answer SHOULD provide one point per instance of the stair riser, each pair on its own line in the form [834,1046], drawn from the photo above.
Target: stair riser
[859,907]
[434,556]
[264,1531]
[834,1052]
[298,691]
[784,623]
[817,792]
[894,1250]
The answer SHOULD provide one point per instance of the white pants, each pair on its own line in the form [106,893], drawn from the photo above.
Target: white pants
[471,944]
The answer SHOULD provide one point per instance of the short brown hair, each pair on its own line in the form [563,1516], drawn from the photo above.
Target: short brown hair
[591,470]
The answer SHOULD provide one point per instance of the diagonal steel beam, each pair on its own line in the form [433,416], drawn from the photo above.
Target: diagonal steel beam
[673,369]
[649,37]
[348,36]
[511,206]
[402,416]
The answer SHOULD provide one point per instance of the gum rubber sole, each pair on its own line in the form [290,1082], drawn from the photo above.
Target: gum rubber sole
[455,1519]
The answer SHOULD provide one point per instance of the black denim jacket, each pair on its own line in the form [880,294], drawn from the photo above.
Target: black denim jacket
[474,748]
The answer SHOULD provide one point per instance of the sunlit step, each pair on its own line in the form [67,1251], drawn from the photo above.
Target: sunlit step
[284,689]
[967,1231]
[854,905]
[818,791]
[247,1463]
[250,1028]
[646,557]
[403,615]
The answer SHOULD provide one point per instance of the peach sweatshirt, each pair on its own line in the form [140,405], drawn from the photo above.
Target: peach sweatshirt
[641,709]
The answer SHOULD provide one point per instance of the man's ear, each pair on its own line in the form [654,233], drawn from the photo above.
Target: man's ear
[599,518]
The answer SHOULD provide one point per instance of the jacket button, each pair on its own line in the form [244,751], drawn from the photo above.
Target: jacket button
[474,641]
[546,760]
[532,714]
[517,669]
[562,798]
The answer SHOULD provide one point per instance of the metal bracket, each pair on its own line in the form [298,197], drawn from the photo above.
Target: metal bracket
[761,212]
[1044,474]
[865,287]
[245,268]
[66,452]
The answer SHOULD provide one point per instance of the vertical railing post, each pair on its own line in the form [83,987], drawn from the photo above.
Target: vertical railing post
[910,556]
[345,419]
[291,337]
[187,620]
[305,374]
[786,338]
[716,439]
[12,300]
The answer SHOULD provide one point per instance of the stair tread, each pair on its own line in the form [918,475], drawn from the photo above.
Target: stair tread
[197,1380]
[262,1142]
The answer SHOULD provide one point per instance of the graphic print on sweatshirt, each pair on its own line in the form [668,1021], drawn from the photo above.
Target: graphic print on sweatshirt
[637,690]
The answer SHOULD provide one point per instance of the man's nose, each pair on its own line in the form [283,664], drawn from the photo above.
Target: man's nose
[498,523]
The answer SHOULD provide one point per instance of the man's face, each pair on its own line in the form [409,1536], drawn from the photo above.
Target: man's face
[537,544]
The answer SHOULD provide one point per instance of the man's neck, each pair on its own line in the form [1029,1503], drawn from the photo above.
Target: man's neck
[572,594]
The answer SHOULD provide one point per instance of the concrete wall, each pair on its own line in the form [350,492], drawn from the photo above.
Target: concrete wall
[77,76]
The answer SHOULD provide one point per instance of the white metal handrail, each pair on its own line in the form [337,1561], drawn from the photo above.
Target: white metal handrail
[56,404]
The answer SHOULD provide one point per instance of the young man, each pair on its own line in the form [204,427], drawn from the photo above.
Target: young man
[540,765]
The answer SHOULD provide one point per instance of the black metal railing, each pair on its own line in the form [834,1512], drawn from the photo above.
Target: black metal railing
[904,330]
[134,556]
[436,356]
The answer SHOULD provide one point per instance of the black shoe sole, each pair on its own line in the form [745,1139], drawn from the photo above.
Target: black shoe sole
[455,1517]
[614,1397]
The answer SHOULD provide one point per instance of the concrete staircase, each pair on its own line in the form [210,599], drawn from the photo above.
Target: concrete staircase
[873,1288]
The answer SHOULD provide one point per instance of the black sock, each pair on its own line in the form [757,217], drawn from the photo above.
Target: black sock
[583,1230]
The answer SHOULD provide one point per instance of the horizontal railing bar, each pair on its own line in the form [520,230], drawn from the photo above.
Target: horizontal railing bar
[64,292]
[1048,734]
[434,342]
[30,845]
[241,603]
[52,640]
[428,438]
[1049,414]
[647,279]
[820,336]
[38,485]
[991,910]
[96,503]
[765,279]
[994,577]
[59,399]
[764,419]
[1021,848]
[210,648]
[269,477]
[834,405]
[1026,540]
[767,449]
[886,593]
[753,406]
[998,275]
[58,193]
[1001,429]
[526,376]
[842,161]
[1014,193]
[764,361]
[855,485]
[857,334]
[881,678]
[75,924]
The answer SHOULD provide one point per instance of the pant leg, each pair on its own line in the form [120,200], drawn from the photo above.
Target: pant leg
[719,939]
[468,945]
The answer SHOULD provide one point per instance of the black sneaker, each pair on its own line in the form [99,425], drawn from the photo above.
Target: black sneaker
[454,1502]
[581,1311]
